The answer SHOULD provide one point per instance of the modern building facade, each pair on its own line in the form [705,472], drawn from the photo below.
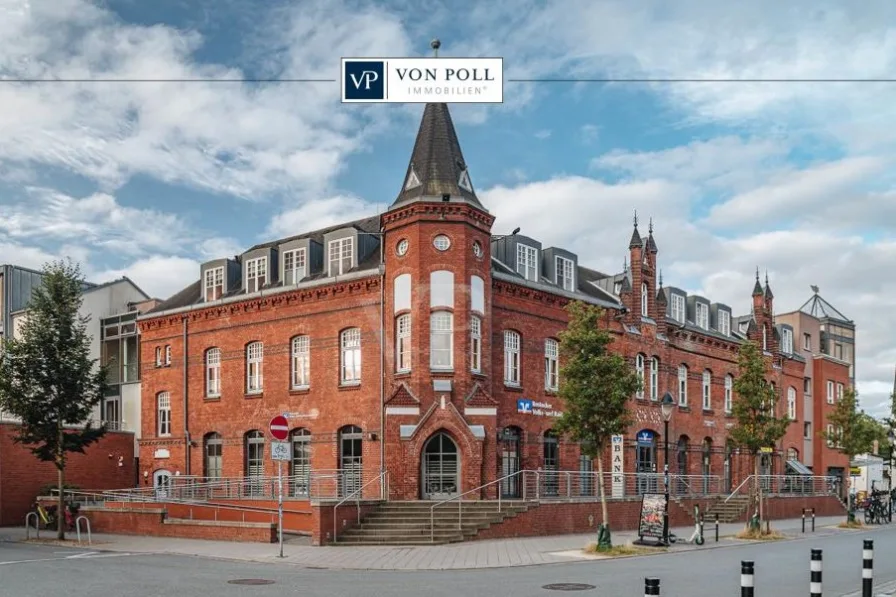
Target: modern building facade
[418,343]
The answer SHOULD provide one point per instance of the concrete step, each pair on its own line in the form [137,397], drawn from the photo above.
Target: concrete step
[400,534]
[441,518]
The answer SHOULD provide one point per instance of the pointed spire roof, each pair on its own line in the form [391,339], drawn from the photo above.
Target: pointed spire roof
[757,287]
[651,244]
[636,238]
[437,166]
[768,288]
[661,293]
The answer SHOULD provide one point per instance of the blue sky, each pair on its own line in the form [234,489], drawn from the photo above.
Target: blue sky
[150,179]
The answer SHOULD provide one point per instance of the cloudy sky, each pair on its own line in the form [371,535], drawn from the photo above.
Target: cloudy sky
[150,179]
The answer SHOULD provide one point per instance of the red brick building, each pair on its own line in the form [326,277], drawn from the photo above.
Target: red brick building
[418,343]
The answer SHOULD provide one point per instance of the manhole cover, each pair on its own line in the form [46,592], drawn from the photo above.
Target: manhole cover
[568,586]
[250,581]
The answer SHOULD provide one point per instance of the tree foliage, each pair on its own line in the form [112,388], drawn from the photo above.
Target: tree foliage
[854,432]
[47,378]
[754,403]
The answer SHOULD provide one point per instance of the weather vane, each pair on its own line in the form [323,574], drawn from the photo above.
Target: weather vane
[435,45]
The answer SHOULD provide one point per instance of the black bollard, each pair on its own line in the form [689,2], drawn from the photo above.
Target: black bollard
[651,587]
[813,520]
[867,567]
[717,527]
[746,578]
[815,574]
[804,520]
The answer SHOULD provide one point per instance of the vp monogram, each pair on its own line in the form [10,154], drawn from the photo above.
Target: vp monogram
[366,78]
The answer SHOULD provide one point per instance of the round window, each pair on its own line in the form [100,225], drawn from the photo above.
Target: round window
[402,247]
[477,249]
[441,242]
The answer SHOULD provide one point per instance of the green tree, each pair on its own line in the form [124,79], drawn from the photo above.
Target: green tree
[47,378]
[757,425]
[596,386]
[853,431]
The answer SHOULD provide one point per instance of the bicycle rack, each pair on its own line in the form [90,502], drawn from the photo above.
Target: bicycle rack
[28,527]
[78,528]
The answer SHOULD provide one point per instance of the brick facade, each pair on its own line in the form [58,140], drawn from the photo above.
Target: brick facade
[400,411]
[22,475]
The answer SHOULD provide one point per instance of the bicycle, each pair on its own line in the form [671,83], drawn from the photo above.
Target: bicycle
[876,510]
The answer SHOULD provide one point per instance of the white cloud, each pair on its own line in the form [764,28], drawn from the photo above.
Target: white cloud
[159,276]
[317,214]
[543,134]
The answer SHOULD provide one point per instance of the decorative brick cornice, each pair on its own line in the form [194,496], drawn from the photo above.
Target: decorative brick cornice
[516,290]
[436,210]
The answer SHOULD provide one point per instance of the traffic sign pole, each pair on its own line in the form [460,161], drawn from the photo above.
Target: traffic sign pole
[280,430]
[280,503]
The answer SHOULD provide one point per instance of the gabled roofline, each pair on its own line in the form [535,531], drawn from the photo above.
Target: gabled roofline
[575,296]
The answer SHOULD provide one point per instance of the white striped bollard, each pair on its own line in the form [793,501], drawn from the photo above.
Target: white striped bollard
[815,574]
[746,578]
[867,567]
[651,587]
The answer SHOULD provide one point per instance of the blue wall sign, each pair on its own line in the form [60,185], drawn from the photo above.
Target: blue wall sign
[646,437]
[524,406]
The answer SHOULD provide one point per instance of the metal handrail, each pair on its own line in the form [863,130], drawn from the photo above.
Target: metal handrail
[381,477]
[738,488]
[432,510]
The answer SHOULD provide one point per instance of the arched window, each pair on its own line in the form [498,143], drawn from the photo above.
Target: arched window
[213,372]
[729,393]
[793,454]
[441,340]
[163,413]
[551,365]
[707,390]
[300,464]
[475,344]
[511,358]
[350,356]
[639,369]
[254,366]
[644,295]
[551,454]
[351,461]
[214,446]
[403,343]
[682,385]
[254,447]
[654,378]
[791,403]
[301,362]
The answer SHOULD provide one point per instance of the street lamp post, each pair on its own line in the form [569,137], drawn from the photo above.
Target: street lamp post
[667,405]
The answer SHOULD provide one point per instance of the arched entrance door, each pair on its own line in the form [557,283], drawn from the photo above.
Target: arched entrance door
[441,468]
[510,462]
[161,482]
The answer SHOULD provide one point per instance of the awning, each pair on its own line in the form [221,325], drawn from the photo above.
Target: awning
[799,468]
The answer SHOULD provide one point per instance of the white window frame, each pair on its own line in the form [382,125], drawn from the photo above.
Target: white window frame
[163,413]
[158,356]
[807,430]
[214,283]
[256,274]
[167,354]
[254,368]
[807,342]
[475,344]
[729,394]
[701,315]
[293,272]
[654,378]
[724,322]
[350,356]
[403,343]
[551,365]
[830,432]
[707,390]
[512,346]
[340,254]
[300,362]
[839,392]
[645,301]
[787,341]
[441,327]
[527,262]
[213,372]
[683,385]
[564,273]
[678,308]
[639,369]
[830,389]
[791,403]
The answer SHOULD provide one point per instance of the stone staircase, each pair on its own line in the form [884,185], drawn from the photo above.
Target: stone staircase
[729,511]
[408,523]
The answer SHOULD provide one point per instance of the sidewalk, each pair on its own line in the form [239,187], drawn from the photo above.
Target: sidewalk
[500,553]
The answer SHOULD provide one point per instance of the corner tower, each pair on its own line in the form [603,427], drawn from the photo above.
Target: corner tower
[437,316]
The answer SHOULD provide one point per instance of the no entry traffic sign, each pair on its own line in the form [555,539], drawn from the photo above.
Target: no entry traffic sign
[280,427]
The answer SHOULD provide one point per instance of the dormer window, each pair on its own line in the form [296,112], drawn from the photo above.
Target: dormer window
[214,283]
[527,262]
[565,277]
[340,255]
[702,316]
[678,308]
[787,341]
[724,323]
[256,273]
[617,288]
[644,300]
[294,266]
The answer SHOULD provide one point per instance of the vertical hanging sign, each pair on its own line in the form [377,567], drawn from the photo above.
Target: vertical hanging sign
[617,465]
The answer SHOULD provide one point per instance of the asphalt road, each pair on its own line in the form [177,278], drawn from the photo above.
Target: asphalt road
[782,569]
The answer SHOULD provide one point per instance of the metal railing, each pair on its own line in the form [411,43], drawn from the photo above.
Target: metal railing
[788,485]
[357,494]
[460,509]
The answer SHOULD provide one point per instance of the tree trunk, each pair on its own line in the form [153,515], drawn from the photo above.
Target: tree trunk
[60,468]
[604,540]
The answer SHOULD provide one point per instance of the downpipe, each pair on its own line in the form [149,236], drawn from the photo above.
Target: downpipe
[187,441]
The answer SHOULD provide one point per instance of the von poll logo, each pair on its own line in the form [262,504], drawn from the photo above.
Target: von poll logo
[423,80]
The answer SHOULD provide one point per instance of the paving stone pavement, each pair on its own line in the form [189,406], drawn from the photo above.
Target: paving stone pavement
[499,553]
